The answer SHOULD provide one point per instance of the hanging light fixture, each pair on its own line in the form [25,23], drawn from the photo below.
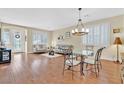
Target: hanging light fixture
[80,30]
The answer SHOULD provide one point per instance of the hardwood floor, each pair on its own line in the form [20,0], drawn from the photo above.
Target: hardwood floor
[35,68]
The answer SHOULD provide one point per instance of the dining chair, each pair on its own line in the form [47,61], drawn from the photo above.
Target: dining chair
[70,61]
[122,68]
[95,63]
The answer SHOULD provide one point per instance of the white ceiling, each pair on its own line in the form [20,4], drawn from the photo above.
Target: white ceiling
[54,18]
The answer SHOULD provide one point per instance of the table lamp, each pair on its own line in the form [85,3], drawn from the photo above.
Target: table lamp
[117,42]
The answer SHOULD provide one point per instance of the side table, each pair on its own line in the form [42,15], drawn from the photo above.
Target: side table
[5,55]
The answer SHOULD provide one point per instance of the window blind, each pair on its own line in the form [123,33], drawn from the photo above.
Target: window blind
[39,37]
[99,35]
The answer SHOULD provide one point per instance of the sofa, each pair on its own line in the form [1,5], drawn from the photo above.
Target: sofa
[59,48]
[39,48]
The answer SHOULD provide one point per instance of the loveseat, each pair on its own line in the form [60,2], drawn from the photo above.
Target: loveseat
[39,48]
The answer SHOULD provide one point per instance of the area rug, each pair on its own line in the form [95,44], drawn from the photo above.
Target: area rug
[51,56]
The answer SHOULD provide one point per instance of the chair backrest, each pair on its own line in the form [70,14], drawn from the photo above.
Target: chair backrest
[98,54]
[68,53]
[122,58]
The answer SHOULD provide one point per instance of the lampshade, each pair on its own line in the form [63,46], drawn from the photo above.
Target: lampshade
[118,41]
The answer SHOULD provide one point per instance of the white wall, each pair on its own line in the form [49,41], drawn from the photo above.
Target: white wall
[108,53]
[73,40]
[27,31]
[29,39]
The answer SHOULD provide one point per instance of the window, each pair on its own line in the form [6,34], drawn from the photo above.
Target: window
[6,36]
[39,37]
[99,35]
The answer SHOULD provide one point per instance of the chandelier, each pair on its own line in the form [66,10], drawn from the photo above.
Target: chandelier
[80,30]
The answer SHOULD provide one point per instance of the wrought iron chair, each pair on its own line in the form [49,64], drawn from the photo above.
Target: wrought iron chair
[122,69]
[70,61]
[96,62]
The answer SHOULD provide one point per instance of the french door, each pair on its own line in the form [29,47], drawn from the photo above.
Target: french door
[18,40]
[14,39]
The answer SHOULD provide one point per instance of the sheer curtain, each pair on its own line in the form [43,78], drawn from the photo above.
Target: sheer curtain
[99,35]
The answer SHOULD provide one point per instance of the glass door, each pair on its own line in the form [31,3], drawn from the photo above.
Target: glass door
[13,38]
[18,41]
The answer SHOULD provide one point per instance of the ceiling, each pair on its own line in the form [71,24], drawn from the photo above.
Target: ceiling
[54,18]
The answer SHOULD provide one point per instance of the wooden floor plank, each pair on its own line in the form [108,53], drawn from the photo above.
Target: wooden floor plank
[37,69]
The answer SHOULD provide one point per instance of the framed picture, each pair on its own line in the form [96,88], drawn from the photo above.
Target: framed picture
[67,34]
[116,30]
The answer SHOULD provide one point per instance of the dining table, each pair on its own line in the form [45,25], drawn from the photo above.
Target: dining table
[82,56]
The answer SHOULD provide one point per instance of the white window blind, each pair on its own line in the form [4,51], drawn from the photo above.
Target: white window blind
[39,37]
[99,35]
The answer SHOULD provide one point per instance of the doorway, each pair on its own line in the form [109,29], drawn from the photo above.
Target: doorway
[14,39]
[18,41]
